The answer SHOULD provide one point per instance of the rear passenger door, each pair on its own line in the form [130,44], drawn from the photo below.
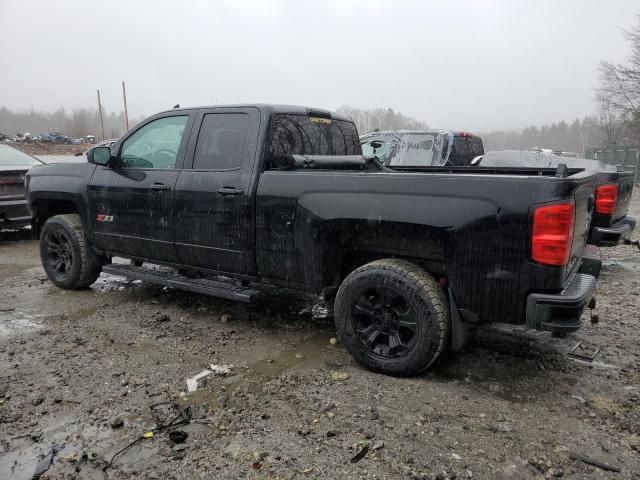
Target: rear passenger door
[214,215]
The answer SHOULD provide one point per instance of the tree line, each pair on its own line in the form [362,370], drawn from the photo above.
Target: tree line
[78,123]
[577,136]
[381,119]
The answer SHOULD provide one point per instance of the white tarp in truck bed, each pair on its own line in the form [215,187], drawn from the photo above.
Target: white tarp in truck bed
[520,158]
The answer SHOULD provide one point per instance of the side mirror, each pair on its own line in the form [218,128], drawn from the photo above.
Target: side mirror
[476,161]
[99,155]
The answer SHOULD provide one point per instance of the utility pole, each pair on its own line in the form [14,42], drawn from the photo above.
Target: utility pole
[100,112]
[126,114]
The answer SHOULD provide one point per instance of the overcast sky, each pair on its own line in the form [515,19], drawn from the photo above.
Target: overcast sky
[476,65]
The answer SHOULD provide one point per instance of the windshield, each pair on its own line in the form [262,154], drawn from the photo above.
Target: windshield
[407,149]
[303,135]
[10,157]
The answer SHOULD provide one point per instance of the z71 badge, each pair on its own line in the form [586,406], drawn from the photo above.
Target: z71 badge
[104,218]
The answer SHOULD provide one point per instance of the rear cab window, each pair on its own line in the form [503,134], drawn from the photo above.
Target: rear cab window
[299,134]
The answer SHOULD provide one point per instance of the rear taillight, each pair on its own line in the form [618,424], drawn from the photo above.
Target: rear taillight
[552,233]
[606,198]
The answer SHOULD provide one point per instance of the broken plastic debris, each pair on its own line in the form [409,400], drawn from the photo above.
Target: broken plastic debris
[221,369]
[192,383]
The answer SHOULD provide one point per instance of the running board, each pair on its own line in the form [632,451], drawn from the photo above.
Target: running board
[173,280]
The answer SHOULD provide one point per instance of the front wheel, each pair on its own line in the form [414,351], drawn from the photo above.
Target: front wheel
[66,256]
[392,317]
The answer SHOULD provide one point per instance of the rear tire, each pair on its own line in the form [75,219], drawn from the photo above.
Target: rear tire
[392,317]
[66,256]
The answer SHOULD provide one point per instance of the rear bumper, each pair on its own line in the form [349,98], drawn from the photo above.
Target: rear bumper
[14,214]
[560,312]
[611,236]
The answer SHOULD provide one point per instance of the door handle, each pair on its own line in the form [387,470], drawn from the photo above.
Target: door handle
[230,191]
[160,187]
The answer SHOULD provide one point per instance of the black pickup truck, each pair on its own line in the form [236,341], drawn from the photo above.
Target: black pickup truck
[613,189]
[227,200]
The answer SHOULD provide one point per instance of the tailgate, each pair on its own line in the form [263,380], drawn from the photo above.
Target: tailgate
[12,184]
[583,197]
[625,189]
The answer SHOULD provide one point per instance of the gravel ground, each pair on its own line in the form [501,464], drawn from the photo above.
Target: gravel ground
[78,371]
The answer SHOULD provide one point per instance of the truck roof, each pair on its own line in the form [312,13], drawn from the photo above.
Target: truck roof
[272,108]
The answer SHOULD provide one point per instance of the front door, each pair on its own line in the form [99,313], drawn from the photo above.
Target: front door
[214,216]
[131,201]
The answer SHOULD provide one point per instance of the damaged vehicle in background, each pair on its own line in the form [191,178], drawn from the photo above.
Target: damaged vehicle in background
[427,148]
[228,200]
[13,205]
[610,224]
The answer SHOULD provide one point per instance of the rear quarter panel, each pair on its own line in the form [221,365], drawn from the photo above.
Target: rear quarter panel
[478,226]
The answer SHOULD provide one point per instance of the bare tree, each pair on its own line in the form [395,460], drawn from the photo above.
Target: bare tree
[609,119]
[620,83]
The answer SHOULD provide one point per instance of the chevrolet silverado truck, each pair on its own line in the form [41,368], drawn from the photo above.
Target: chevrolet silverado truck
[231,201]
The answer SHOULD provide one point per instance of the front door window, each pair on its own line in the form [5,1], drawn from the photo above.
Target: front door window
[155,145]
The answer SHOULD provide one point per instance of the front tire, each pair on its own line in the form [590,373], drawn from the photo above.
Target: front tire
[392,317]
[66,256]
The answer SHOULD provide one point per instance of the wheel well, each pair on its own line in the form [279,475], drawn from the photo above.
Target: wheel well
[337,270]
[45,209]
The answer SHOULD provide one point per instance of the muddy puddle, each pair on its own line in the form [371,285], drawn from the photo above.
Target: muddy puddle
[312,352]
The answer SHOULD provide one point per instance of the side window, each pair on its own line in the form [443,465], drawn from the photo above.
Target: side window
[155,145]
[221,141]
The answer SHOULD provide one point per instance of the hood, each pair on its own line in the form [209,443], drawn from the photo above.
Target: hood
[81,169]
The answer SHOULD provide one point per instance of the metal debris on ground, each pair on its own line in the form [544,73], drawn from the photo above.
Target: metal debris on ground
[584,353]
[183,417]
[627,241]
[594,461]
[361,454]
[179,415]
[44,464]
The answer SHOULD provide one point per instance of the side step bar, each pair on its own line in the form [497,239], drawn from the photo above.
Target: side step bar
[173,280]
